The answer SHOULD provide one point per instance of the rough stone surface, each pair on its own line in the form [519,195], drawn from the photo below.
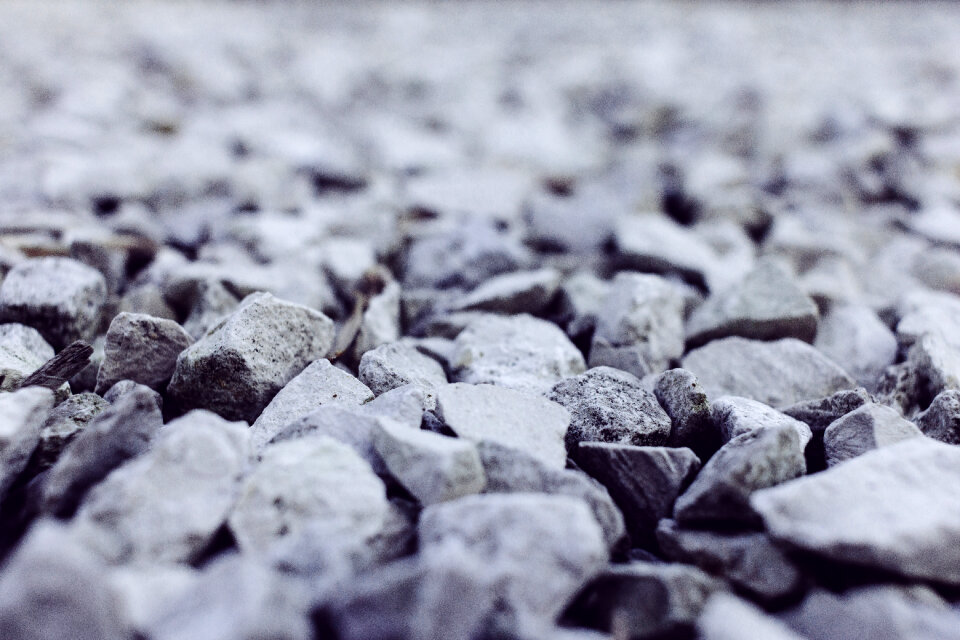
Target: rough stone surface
[643,481]
[869,427]
[857,340]
[778,373]
[679,393]
[609,405]
[726,617]
[59,297]
[733,416]
[517,292]
[397,364]
[485,413]
[241,364]
[63,423]
[941,420]
[23,413]
[141,348]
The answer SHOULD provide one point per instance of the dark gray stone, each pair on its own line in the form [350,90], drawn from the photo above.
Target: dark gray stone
[857,340]
[819,414]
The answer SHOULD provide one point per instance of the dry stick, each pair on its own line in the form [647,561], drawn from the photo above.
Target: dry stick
[61,367]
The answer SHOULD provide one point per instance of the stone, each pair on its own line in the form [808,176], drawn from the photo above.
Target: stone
[733,416]
[857,340]
[679,393]
[643,600]
[62,425]
[433,468]
[609,405]
[894,508]
[778,373]
[936,365]
[319,384]
[24,413]
[869,427]
[756,460]
[510,293]
[639,326]
[396,364]
[239,365]
[120,432]
[820,414]
[141,348]
[380,323]
[540,549]
[166,505]
[59,297]
[311,478]
[726,617]
[86,379]
[485,413]
[520,352]
[941,420]
[643,481]
[749,560]
[511,471]
[767,304]
[52,588]
[147,299]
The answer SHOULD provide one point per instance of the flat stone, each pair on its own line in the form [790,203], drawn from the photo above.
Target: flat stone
[397,364]
[520,352]
[141,348]
[643,481]
[24,413]
[778,373]
[485,413]
[516,292]
[166,505]
[726,617]
[679,393]
[321,383]
[895,508]
[241,364]
[609,405]
[869,427]
[749,560]
[432,467]
[62,425]
[767,304]
[59,297]
[857,340]
[748,463]
[733,416]
[941,420]
[640,325]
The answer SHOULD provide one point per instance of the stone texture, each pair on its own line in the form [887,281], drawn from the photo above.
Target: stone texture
[679,393]
[397,364]
[240,364]
[857,340]
[941,420]
[733,416]
[869,427]
[654,242]
[141,348]
[23,413]
[517,292]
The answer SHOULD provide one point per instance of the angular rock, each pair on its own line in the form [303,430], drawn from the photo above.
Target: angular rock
[941,420]
[212,302]
[23,414]
[485,413]
[241,364]
[580,300]
[726,617]
[748,463]
[640,325]
[609,405]
[857,340]
[141,348]
[62,425]
[777,373]
[396,364]
[679,393]
[517,292]
[895,508]
[869,427]
[749,561]
[166,505]
[319,384]
[733,416]
[643,481]
[59,297]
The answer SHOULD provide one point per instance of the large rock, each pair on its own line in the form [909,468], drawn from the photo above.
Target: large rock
[59,297]
[141,348]
[777,373]
[397,364]
[23,414]
[857,340]
[485,413]
[895,508]
[941,420]
[869,427]
[241,364]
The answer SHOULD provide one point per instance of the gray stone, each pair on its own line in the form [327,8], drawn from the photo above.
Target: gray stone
[166,505]
[343,423]
[53,588]
[941,420]
[748,463]
[298,481]
[778,373]
[580,300]
[147,299]
[733,416]
[511,471]
[86,379]
[726,617]
[895,508]
[433,468]
[540,548]
[520,352]
[643,481]
[857,340]
[869,427]
[59,297]
[23,413]
[122,431]
[396,364]
[640,325]
[767,304]
[319,384]
[62,425]
[141,348]
[679,393]
[749,560]
[485,413]
[241,364]
[145,590]
[609,405]
[516,292]
[405,405]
